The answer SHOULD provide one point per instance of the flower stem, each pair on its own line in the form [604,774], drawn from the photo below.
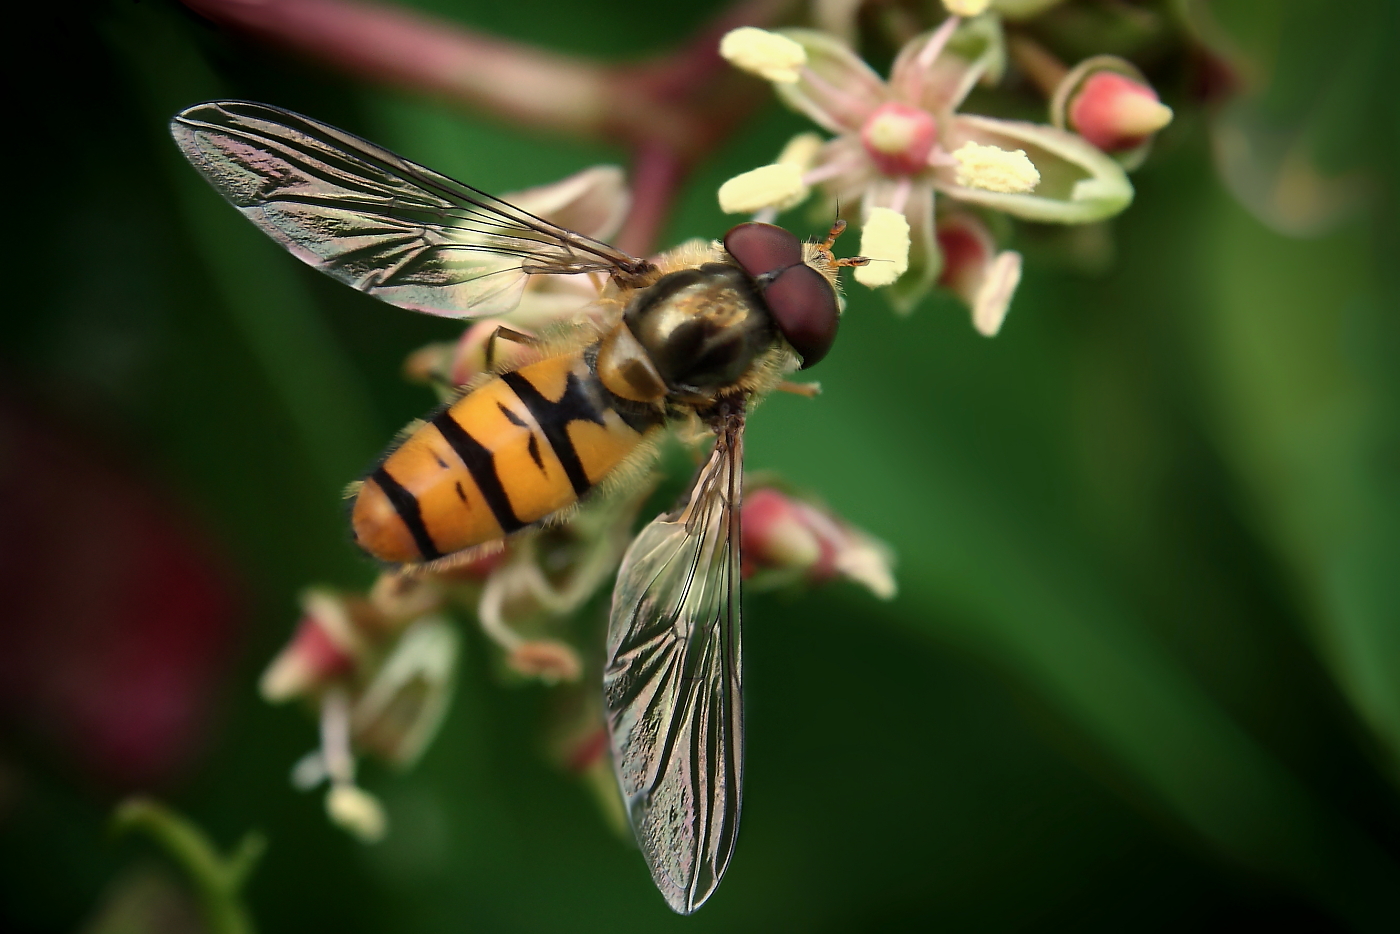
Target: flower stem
[1039,63]
[217,880]
[671,111]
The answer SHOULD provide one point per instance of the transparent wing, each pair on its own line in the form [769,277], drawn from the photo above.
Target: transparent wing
[376,221]
[672,686]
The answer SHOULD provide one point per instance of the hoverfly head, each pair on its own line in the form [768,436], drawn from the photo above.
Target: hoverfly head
[801,300]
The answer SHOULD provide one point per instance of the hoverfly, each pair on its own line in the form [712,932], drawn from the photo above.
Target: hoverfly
[698,332]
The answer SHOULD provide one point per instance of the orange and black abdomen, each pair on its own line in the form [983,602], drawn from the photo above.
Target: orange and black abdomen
[501,458]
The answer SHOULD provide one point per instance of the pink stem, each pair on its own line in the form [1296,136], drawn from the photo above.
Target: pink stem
[672,110]
[901,195]
[657,171]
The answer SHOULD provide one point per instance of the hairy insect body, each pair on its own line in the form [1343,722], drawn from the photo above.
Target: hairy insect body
[531,442]
[507,455]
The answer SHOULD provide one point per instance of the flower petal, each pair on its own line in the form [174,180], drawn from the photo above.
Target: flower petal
[837,17]
[993,299]
[975,272]
[400,710]
[593,202]
[844,170]
[975,51]
[1078,183]
[836,88]
[966,7]
[358,811]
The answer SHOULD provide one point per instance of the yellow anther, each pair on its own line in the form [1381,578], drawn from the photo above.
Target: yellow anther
[767,186]
[994,169]
[802,151]
[766,54]
[966,7]
[885,240]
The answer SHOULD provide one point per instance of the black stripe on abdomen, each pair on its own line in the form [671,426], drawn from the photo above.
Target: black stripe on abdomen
[576,404]
[481,464]
[406,505]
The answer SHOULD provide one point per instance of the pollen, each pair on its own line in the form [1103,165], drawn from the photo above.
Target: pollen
[885,240]
[357,811]
[966,7]
[776,185]
[767,54]
[994,169]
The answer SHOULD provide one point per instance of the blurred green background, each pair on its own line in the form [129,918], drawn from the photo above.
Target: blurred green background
[1143,672]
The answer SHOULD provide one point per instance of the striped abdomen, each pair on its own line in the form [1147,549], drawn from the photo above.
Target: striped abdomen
[504,456]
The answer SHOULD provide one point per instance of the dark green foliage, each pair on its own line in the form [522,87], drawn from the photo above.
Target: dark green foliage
[1144,669]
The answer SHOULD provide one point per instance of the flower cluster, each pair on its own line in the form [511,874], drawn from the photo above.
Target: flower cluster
[378,667]
[923,174]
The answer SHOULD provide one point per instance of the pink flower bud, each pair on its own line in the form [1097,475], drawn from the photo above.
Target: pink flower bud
[1115,112]
[316,656]
[974,271]
[774,535]
[786,536]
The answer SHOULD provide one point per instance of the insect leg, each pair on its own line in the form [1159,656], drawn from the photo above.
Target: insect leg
[508,334]
[837,228]
[808,390]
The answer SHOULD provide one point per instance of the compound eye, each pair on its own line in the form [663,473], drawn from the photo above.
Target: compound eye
[762,248]
[803,304]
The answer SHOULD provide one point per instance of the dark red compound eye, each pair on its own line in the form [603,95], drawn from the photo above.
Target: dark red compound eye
[804,305]
[763,248]
[801,300]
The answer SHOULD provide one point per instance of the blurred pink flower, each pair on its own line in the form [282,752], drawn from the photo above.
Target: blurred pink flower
[118,621]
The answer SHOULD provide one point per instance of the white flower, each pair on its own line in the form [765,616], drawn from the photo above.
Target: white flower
[900,142]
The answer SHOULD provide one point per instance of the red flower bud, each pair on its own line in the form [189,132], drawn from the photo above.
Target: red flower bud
[784,534]
[322,650]
[974,271]
[1116,113]
[774,535]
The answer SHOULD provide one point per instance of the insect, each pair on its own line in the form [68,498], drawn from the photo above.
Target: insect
[694,334]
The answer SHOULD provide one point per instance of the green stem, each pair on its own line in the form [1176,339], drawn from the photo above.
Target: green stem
[217,880]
